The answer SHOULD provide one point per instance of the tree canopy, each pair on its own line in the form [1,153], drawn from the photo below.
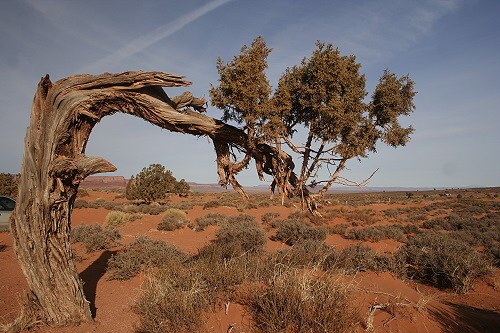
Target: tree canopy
[325,96]
[153,183]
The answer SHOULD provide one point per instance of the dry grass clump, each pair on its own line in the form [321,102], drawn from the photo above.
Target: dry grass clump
[291,231]
[94,237]
[141,254]
[173,300]
[116,219]
[443,261]
[296,301]
[172,219]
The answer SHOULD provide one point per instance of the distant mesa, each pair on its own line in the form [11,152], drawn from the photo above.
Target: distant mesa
[119,182]
[104,182]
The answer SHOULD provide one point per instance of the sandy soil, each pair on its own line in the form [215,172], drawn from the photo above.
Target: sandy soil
[111,301]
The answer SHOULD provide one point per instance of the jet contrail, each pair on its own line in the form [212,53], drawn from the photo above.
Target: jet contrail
[148,39]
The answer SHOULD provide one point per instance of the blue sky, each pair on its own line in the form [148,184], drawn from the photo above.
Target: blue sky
[449,48]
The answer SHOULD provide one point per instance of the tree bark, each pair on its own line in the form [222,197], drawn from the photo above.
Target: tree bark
[62,117]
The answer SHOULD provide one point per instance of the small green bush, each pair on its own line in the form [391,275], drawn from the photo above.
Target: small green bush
[116,219]
[94,237]
[172,219]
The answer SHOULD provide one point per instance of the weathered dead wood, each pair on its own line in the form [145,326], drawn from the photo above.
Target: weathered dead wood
[62,117]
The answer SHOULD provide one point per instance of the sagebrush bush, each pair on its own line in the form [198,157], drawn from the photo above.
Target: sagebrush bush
[143,253]
[339,229]
[376,233]
[172,219]
[210,219]
[269,216]
[94,237]
[242,232]
[211,204]
[82,193]
[291,231]
[359,258]
[309,254]
[116,219]
[295,301]
[443,261]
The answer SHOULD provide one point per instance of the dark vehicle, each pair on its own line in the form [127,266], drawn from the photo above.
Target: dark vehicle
[7,205]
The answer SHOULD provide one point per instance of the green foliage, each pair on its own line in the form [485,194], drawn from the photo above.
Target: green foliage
[154,183]
[116,219]
[172,219]
[325,94]
[8,184]
[243,91]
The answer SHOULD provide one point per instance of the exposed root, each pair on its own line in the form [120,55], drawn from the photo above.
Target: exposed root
[392,306]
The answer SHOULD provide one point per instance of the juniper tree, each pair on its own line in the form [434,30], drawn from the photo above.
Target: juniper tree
[152,184]
[325,96]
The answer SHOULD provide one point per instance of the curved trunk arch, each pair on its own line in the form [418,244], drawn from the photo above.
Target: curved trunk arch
[62,117]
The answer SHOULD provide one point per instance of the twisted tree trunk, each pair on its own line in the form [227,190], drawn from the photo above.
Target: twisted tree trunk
[62,117]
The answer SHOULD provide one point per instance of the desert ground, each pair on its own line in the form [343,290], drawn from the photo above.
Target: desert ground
[382,294]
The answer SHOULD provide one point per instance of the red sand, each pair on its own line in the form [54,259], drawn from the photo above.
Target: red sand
[478,311]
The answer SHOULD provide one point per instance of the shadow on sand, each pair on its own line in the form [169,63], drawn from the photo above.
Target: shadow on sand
[91,276]
[466,319]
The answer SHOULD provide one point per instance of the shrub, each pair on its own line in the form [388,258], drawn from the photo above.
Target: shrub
[82,193]
[79,203]
[211,204]
[292,231]
[242,232]
[154,183]
[339,229]
[116,219]
[376,233]
[143,253]
[310,254]
[173,301]
[359,258]
[210,219]
[94,237]
[300,302]
[8,184]
[443,261]
[269,216]
[172,219]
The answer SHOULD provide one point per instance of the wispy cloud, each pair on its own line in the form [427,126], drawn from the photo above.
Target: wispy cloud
[152,37]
